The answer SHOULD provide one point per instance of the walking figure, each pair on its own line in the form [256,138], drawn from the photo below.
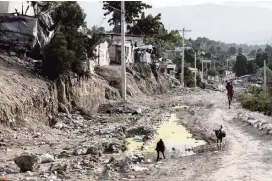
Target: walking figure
[160,148]
[230,93]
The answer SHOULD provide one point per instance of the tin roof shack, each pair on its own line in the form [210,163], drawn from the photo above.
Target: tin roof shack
[21,33]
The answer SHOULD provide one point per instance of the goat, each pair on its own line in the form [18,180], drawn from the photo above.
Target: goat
[219,135]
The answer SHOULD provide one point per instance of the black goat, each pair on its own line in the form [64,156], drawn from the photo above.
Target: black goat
[219,135]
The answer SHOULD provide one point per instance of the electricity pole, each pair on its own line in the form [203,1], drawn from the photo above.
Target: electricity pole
[182,62]
[123,61]
[195,69]
[264,75]
[202,76]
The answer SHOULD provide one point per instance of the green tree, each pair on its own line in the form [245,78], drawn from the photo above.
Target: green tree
[133,10]
[148,26]
[212,72]
[240,67]
[218,48]
[232,51]
[240,50]
[212,50]
[65,51]
[251,67]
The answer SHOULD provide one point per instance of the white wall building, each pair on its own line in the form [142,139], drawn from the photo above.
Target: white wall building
[10,6]
[102,54]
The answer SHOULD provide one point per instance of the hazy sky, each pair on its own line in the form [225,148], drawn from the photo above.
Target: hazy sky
[94,12]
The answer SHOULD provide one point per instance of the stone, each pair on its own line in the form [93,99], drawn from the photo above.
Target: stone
[62,108]
[80,151]
[27,162]
[58,125]
[131,176]
[59,166]
[47,158]
[93,151]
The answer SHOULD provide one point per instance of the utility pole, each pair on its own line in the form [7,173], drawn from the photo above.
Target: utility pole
[123,61]
[195,69]
[182,62]
[264,75]
[202,76]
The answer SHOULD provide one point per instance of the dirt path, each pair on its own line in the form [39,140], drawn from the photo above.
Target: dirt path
[246,156]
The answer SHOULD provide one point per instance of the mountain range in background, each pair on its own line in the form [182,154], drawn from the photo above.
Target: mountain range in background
[230,22]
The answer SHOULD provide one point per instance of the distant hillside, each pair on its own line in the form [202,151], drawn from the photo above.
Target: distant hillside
[250,25]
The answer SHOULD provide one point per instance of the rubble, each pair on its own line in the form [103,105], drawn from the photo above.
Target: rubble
[27,162]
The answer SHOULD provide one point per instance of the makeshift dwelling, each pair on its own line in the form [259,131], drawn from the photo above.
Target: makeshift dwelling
[115,52]
[102,54]
[23,33]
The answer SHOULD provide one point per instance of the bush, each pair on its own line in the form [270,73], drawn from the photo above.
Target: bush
[255,102]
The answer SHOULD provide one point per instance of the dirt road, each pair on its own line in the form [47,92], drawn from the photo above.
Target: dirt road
[247,155]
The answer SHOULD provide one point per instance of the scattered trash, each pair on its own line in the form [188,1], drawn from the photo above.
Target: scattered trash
[137,139]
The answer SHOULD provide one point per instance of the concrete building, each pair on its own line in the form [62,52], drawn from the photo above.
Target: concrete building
[11,6]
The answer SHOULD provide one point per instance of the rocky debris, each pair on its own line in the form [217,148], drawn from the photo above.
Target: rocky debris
[47,158]
[140,130]
[112,147]
[120,108]
[62,108]
[63,166]
[261,125]
[94,150]
[80,151]
[27,162]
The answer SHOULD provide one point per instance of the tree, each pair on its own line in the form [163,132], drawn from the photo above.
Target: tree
[218,48]
[133,10]
[212,72]
[252,53]
[251,67]
[240,67]
[116,29]
[232,51]
[240,50]
[208,55]
[212,50]
[65,51]
[259,50]
[148,26]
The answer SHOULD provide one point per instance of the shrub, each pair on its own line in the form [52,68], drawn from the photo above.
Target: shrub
[255,102]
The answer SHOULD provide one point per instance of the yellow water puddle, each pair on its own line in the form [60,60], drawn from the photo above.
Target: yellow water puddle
[177,139]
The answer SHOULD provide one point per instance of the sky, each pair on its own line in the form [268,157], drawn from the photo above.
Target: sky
[94,11]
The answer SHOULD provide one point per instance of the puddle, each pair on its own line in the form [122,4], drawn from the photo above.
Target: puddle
[177,139]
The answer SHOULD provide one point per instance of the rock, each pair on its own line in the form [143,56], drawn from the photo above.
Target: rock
[131,177]
[47,158]
[93,151]
[59,167]
[80,151]
[58,125]
[27,162]
[62,108]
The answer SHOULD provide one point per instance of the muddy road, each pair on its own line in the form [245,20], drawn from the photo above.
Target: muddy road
[246,154]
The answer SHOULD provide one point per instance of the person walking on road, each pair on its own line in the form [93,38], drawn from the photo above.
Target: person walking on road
[160,148]
[230,93]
